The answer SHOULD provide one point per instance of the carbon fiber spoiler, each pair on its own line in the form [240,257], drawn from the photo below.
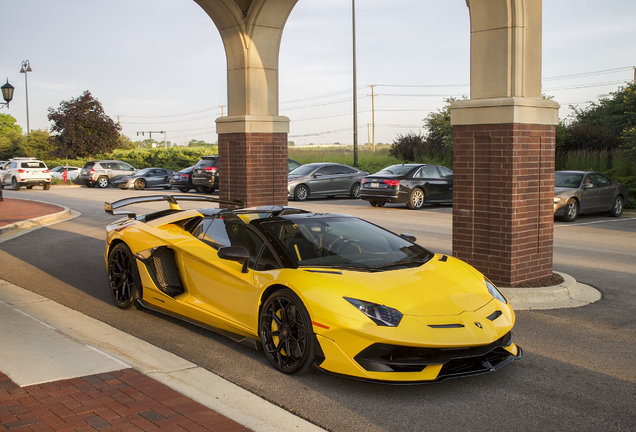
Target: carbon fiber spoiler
[111,208]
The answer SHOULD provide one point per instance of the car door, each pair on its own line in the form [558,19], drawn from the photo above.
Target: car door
[432,183]
[155,178]
[589,197]
[447,177]
[606,192]
[322,181]
[216,285]
[344,178]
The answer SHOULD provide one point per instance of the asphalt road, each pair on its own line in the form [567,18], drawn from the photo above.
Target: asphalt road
[579,367]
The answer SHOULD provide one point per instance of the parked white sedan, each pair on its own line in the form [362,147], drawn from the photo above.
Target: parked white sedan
[71,172]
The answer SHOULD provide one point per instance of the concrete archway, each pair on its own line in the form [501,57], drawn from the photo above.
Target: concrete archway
[504,135]
[504,143]
[253,137]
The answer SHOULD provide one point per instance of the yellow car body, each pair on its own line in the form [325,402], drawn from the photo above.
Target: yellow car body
[449,323]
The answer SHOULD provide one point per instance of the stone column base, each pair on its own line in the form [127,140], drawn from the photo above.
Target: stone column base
[253,168]
[503,199]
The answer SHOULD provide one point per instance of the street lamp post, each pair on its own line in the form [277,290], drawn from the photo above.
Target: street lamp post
[7,94]
[26,67]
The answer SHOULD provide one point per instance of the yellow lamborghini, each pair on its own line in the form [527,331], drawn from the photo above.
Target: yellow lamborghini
[325,290]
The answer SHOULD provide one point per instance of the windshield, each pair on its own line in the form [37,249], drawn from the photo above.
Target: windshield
[396,170]
[567,180]
[345,242]
[303,170]
[143,171]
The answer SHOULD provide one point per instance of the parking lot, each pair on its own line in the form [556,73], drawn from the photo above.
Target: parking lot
[577,372]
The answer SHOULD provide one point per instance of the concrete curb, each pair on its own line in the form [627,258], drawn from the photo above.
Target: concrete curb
[67,213]
[78,344]
[568,294]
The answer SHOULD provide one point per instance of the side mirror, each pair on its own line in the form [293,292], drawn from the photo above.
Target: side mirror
[317,175]
[235,253]
[588,185]
[409,237]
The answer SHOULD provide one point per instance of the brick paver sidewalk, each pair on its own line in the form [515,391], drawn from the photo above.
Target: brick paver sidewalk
[17,210]
[124,400]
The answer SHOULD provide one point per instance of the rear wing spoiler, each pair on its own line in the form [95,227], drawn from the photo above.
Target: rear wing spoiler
[111,208]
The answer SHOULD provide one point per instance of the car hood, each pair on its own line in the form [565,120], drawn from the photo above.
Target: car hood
[437,288]
[564,191]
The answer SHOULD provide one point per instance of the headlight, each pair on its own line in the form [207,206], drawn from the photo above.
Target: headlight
[495,292]
[290,181]
[558,200]
[379,314]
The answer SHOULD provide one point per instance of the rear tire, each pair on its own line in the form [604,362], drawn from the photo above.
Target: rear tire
[184,190]
[123,276]
[46,186]
[355,191]
[617,207]
[208,189]
[377,203]
[15,185]
[90,184]
[102,182]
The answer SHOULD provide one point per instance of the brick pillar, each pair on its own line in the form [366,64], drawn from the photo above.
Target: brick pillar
[253,168]
[503,199]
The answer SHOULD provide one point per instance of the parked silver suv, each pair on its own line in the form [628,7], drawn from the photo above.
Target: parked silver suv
[101,173]
[25,171]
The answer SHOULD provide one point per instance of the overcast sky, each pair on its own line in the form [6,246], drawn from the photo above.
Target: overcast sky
[160,64]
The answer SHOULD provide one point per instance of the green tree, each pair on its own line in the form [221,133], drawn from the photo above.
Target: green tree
[604,125]
[38,144]
[10,144]
[439,132]
[82,129]
[408,146]
[7,124]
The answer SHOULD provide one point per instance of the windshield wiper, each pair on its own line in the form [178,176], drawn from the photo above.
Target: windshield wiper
[419,262]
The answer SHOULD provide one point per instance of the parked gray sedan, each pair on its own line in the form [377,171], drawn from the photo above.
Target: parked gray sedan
[577,192]
[324,179]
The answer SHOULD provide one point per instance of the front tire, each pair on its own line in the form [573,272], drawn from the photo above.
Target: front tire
[286,333]
[571,210]
[617,207]
[354,192]
[301,193]
[416,199]
[123,276]
[102,182]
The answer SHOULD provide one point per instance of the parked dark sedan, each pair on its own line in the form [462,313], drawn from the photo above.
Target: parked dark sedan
[183,180]
[413,184]
[324,179]
[577,192]
[145,178]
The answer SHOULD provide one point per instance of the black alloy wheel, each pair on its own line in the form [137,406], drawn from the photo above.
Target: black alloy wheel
[571,210]
[123,277]
[286,333]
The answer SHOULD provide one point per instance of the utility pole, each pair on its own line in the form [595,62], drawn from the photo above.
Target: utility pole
[373,95]
[165,142]
[355,89]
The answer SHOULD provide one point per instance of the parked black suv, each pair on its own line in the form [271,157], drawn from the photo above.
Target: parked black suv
[205,174]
